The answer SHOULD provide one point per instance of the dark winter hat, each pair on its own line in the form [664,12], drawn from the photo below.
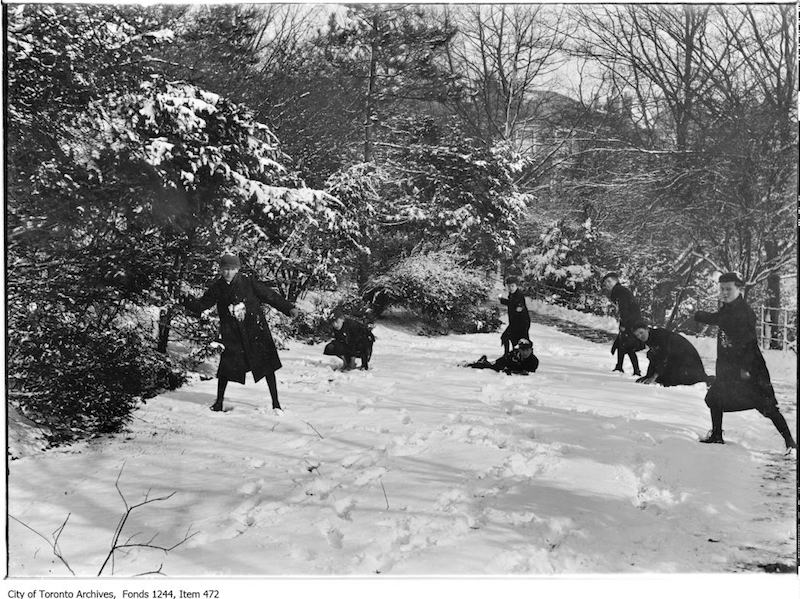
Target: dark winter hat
[512,279]
[610,275]
[525,344]
[731,277]
[229,261]
[639,325]
[337,315]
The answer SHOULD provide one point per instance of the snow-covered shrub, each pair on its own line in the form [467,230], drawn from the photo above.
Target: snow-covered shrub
[564,260]
[439,289]
[78,380]
[480,319]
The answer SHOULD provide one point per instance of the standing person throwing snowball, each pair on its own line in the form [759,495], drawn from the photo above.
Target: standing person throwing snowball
[742,381]
[519,320]
[248,342]
[629,314]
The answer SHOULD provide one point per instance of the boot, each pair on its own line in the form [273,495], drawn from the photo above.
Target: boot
[216,406]
[715,435]
[617,369]
[780,423]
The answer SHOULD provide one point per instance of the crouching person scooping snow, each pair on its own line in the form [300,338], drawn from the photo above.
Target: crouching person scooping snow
[351,339]
[673,358]
[520,360]
[248,342]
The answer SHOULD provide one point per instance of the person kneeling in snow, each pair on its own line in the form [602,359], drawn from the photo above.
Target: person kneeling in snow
[245,334]
[351,339]
[673,359]
[518,361]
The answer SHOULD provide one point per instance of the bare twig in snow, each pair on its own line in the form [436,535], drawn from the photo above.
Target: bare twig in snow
[54,543]
[384,494]
[115,541]
[315,430]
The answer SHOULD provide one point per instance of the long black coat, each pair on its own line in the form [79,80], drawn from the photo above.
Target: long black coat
[249,345]
[519,319]
[627,307]
[738,353]
[673,359]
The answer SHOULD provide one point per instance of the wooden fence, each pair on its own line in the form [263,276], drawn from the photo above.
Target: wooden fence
[777,328]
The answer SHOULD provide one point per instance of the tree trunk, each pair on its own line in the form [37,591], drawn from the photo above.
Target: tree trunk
[373,64]
[180,264]
[164,324]
[658,307]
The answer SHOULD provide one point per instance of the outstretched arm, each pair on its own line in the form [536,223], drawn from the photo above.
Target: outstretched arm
[196,305]
[707,317]
[268,295]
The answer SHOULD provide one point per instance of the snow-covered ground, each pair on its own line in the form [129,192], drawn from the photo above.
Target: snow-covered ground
[421,467]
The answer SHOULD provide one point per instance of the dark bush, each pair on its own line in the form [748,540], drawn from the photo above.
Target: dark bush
[78,381]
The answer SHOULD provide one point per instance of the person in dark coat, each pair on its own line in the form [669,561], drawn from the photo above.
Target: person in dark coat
[519,319]
[351,338]
[629,313]
[673,359]
[518,361]
[248,342]
[742,380]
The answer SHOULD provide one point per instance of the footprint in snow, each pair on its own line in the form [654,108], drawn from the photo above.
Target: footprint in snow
[255,463]
[364,405]
[343,507]
[320,488]
[408,445]
[251,487]
[370,476]
[452,500]
[332,535]
[363,460]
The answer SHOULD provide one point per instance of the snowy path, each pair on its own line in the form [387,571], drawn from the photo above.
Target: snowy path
[570,470]
[573,328]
